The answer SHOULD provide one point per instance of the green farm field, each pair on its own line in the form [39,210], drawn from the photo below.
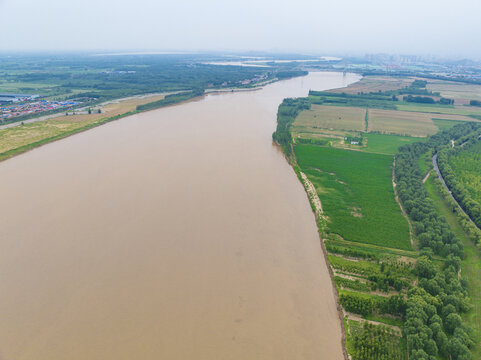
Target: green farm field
[387,144]
[357,195]
[443,124]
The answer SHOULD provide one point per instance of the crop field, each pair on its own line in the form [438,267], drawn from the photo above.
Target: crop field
[401,123]
[374,84]
[438,109]
[387,144]
[467,167]
[330,117]
[444,124]
[356,191]
[23,135]
[460,92]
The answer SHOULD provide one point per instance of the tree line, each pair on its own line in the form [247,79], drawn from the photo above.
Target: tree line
[459,191]
[433,325]
[286,114]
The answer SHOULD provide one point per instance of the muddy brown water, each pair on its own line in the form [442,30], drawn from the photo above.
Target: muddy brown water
[180,233]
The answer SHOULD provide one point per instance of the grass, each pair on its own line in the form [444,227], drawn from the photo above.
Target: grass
[393,346]
[356,191]
[329,117]
[381,251]
[425,163]
[466,164]
[387,143]
[401,123]
[384,320]
[445,124]
[470,266]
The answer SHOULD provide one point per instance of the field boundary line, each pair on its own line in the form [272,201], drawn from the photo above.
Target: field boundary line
[396,197]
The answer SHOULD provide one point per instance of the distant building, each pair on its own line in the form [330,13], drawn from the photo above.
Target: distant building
[17,97]
[354,142]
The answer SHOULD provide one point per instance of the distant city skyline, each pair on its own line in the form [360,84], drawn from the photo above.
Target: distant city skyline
[411,27]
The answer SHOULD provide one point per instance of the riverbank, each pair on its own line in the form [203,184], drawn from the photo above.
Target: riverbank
[15,141]
[178,223]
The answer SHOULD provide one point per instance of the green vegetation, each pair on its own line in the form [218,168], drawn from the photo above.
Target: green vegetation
[444,124]
[371,269]
[375,342]
[351,284]
[350,251]
[433,323]
[386,143]
[361,100]
[471,263]
[431,301]
[112,77]
[286,114]
[461,169]
[425,162]
[357,195]
[366,304]
[366,342]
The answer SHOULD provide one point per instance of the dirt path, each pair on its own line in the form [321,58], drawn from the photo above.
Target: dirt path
[311,191]
[400,205]
[426,177]
[356,317]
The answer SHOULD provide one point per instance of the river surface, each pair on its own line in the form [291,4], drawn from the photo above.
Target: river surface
[180,233]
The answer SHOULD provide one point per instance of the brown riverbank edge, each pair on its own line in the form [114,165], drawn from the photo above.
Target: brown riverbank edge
[25,148]
[316,206]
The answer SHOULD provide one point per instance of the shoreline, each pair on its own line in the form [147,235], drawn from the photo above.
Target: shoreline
[317,211]
[25,148]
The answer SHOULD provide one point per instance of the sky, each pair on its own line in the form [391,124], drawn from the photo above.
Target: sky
[334,27]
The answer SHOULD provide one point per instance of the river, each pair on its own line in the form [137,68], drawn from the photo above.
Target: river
[179,233]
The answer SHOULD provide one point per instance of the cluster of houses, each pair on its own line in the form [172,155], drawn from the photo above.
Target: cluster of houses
[116,72]
[254,80]
[26,108]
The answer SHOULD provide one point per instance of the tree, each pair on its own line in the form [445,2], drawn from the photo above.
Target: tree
[451,322]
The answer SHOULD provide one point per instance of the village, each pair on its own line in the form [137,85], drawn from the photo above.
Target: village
[27,108]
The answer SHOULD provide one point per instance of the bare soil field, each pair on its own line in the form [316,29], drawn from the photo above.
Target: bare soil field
[330,117]
[460,92]
[401,122]
[375,83]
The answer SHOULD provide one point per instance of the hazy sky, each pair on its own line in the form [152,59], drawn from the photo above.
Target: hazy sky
[442,27]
